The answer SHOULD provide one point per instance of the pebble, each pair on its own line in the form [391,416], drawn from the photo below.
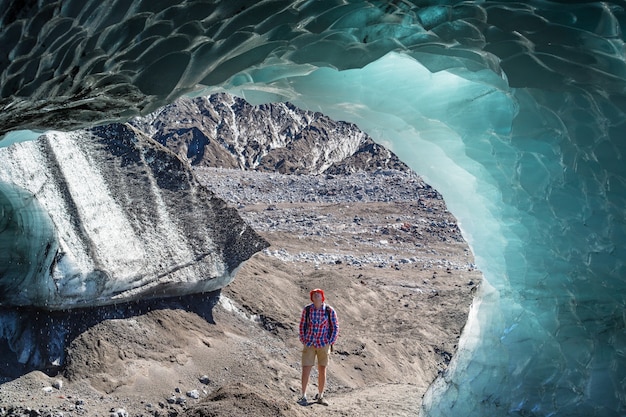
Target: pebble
[120,412]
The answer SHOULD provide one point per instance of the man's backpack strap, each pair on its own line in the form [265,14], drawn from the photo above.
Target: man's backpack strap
[331,327]
[307,317]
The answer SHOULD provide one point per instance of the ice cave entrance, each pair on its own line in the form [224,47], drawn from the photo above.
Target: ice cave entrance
[497,156]
[439,123]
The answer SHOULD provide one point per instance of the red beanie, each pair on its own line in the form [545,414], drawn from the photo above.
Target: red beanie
[319,291]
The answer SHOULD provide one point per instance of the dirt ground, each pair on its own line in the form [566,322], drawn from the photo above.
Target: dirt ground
[399,326]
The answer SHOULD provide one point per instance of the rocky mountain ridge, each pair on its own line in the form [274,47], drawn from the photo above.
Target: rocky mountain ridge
[225,131]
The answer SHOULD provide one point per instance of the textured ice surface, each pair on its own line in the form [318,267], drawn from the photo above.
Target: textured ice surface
[513,110]
[28,246]
[107,216]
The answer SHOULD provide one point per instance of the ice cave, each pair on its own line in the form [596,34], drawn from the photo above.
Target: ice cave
[514,110]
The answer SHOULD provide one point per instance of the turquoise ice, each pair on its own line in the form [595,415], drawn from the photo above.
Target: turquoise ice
[514,111]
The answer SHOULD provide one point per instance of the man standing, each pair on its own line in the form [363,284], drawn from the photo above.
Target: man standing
[319,328]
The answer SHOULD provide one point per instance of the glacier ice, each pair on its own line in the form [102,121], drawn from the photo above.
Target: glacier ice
[28,246]
[107,216]
[513,110]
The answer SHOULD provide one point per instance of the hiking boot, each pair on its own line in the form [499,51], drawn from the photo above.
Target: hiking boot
[320,399]
[303,401]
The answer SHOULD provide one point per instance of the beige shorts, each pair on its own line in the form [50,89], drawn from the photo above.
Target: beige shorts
[309,353]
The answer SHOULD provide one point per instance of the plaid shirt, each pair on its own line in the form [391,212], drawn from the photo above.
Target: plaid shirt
[317,332]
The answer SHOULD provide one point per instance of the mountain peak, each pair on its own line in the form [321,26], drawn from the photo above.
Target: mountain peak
[227,132]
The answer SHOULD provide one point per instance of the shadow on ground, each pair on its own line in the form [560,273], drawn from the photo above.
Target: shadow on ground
[36,339]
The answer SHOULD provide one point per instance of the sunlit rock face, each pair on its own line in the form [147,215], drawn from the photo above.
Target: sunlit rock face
[108,216]
[226,131]
[513,110]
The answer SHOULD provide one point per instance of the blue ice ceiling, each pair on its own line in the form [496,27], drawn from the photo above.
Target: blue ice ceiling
[513,110]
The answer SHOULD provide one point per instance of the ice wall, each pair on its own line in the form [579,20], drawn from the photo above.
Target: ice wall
[28,246]
[547,331]
[513,110]
[108,216]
